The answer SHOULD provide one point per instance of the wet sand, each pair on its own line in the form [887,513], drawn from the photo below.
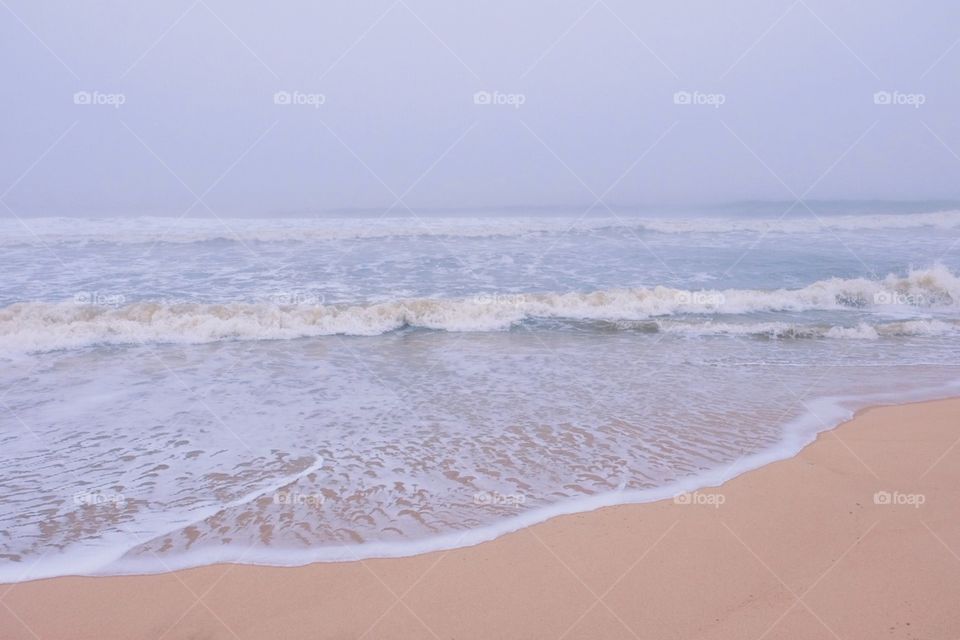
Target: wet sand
[858,536]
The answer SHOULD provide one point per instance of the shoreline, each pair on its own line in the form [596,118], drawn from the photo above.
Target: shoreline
[798,433]
[732,553]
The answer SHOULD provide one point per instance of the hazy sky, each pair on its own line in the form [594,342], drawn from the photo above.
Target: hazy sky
[583,106]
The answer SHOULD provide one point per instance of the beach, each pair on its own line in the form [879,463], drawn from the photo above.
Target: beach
[419,320]
[858,536]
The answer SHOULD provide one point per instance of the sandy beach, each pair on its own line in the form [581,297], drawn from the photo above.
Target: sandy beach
[856,537]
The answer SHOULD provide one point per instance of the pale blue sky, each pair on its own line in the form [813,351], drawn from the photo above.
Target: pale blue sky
[596,80]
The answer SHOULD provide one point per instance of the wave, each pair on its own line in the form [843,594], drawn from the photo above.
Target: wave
[150,229]
[45,326]
[806,224]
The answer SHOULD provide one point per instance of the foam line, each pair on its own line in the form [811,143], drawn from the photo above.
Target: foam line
[46,326]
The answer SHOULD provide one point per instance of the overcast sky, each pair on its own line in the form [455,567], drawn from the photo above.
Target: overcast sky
[149,107]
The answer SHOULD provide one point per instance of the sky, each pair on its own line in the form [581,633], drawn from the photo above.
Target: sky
[299,107]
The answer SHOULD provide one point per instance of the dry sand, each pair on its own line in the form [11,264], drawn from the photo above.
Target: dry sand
[797,549]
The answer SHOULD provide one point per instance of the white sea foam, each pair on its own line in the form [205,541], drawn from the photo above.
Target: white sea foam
[110,556]
[859,331]
[108,549]
[149,229]
[42,326]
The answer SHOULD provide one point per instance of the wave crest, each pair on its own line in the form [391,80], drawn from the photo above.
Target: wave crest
[149,229]
[44,326]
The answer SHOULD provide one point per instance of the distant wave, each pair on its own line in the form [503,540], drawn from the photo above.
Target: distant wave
[159,229]
[44,326]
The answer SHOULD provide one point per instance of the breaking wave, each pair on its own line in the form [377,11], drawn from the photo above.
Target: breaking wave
[44,326]
[149,229]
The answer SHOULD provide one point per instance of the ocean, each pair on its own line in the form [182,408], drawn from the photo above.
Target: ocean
[178,392]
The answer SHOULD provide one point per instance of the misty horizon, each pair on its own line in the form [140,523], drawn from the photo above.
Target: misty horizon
[206,108]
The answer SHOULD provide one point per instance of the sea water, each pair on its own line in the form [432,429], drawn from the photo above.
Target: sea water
[181,391]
